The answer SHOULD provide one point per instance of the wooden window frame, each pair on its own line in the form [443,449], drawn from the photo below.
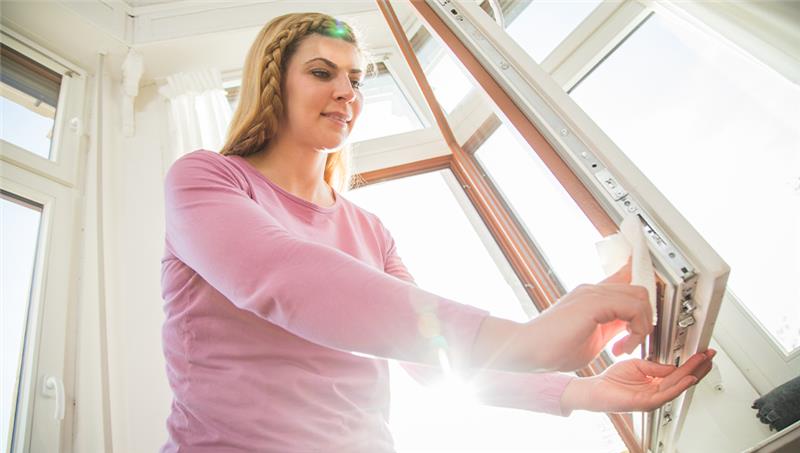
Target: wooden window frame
[532,271]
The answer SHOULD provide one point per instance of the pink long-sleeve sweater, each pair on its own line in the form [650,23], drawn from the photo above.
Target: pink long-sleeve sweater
[268,295]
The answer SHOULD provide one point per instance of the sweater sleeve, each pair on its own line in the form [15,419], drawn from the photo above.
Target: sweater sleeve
[312,290]
[539,392]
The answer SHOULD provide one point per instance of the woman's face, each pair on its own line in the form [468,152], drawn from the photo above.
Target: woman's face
[321,92]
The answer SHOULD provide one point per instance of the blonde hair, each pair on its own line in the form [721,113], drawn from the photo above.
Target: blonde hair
[255,121]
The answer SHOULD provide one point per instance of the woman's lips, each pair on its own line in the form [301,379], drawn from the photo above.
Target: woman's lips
[336,119]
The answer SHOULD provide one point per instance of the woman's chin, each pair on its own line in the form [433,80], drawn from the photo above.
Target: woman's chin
[333,144]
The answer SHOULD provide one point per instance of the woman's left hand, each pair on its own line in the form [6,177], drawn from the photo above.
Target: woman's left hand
[635,385]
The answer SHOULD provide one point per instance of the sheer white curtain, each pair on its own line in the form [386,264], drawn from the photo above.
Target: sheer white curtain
[199,112]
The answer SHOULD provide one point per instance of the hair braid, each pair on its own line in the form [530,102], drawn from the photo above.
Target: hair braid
[272,76]
[261,106]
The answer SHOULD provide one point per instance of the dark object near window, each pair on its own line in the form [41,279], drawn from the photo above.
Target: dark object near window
[781,406]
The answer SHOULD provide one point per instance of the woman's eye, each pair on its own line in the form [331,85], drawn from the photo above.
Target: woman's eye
[320,73]
[357,84]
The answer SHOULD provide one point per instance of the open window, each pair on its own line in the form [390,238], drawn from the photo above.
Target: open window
[599,186]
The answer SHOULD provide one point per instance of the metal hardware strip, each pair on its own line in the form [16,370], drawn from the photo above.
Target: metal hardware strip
[547,120]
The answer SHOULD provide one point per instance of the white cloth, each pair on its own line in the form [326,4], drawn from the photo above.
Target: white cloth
[614,251]
[199,112]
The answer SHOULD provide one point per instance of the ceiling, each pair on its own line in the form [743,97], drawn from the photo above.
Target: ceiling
[175,35]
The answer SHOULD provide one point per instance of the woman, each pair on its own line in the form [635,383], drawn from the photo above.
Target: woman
[272,281]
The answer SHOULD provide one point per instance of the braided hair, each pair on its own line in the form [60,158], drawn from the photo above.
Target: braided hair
[260,108]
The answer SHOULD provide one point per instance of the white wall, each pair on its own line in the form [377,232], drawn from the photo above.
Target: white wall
[133,200]
[139,381]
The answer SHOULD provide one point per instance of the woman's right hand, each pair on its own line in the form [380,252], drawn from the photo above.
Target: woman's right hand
[571,333]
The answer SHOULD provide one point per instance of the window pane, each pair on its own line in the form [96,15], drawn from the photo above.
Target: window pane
[717,133]
[20,230]
[28,100]
[447,257]
[448,243]
[552,219]
[445,74]
[542,25]
[232,90]
[386,110]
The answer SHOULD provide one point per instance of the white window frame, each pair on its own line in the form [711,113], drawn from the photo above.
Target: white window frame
[49,341]
[69,124]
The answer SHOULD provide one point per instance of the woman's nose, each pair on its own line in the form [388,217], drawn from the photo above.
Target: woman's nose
[344,90]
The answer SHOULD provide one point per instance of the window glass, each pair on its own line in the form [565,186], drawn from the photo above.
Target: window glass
[448,257]
[232,89]
[18,239]
[445,74]
[28,99]
[542,25]
[717,133]
[552,219]
[386,110]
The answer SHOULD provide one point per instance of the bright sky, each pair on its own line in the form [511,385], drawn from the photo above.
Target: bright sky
[24,128]
[20,228]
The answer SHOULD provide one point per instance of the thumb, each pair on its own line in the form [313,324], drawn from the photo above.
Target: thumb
[622,275]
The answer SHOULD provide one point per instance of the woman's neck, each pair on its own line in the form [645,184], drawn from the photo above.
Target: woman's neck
[299,171]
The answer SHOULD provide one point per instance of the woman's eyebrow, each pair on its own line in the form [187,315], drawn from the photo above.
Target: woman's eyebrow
[333,65]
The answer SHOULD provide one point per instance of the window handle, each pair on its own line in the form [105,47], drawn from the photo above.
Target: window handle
[54,387]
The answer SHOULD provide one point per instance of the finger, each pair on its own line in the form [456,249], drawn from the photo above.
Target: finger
[611,329]
[655,369]
[684,370]
[632,342]
[670,393]
[619,347]
[703,370]
[633,292]
[622,275]
[619,303]
[627,344]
